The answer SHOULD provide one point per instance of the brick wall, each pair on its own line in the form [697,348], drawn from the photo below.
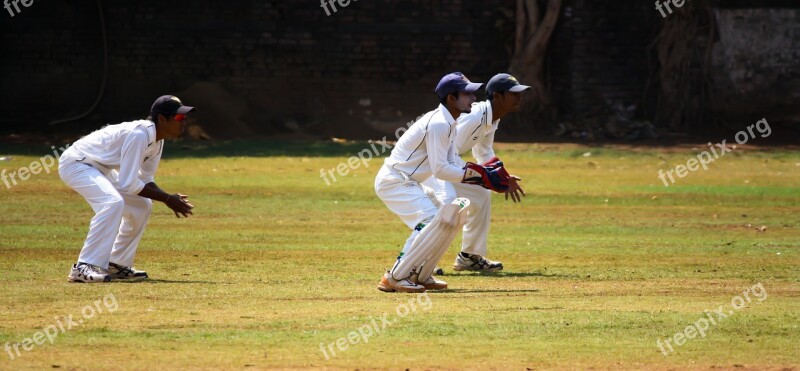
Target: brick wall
[284,66]
[599,52]
[272,66]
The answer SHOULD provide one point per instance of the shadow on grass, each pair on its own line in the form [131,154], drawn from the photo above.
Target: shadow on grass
[153,280]
[468,291]
[509,274]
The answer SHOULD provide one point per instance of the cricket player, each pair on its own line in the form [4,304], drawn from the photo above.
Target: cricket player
[426,150]
[113,169]
[475,131]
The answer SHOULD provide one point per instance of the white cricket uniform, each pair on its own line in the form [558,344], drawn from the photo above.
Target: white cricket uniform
[109,167]
[475,131]
[424,151]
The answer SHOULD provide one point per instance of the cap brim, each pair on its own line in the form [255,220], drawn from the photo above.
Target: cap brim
[473,87]
[185,109]
[519,88]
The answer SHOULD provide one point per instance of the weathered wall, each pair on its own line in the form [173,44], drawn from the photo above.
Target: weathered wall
[756,64]
[600,52]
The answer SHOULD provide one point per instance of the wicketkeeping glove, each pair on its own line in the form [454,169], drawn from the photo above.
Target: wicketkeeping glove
[490,175]
[495,163]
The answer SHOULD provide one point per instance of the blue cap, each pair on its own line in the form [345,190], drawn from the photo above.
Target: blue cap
[454,83]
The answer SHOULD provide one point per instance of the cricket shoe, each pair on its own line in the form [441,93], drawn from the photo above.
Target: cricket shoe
[438,271]
[119,272]
[472,262]
[432,283]
[83,272]
[389,284]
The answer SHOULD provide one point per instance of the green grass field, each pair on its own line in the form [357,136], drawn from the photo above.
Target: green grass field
[602,261]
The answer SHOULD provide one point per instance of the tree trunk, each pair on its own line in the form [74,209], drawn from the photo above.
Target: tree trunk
[683,48]
[533,31]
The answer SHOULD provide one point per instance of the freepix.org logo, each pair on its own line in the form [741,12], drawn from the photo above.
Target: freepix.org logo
[661,4]
[50,333]
[324,4]
[35,167]
[15,3]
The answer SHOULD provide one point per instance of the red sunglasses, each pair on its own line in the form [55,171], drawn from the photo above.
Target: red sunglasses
[179,117]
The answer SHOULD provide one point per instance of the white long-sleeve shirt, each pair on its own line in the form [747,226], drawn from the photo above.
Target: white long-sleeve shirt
[476,132]
[130,148]
[427,149]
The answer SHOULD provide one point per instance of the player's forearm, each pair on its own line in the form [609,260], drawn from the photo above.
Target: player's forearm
[448,172]
[482,157]
[483,151]
[129,182]
[131,158]
[153,192]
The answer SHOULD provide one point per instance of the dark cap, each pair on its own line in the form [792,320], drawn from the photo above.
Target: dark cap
[169,105]
[454,83]
[504,82]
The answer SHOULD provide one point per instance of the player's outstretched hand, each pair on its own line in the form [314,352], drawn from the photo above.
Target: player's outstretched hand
[514,190]
[179,203]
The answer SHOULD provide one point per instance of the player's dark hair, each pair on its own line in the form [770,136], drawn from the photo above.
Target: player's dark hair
[443,101]
[153,116]
[491,96]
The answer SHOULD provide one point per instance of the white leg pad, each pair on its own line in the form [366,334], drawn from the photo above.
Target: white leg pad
[427,269]
[432,242]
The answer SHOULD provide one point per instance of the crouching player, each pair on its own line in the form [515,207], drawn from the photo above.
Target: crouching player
[425,150]
[113,169]
[476,132]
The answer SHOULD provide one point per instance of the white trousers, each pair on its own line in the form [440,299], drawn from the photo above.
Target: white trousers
[407,199]
[119,220]
[476,231]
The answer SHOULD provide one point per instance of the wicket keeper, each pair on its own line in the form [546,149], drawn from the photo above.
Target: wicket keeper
[475,133]
[426,150]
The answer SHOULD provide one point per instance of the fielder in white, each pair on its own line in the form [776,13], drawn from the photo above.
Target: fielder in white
[113,169]
[426,150]
[475,132]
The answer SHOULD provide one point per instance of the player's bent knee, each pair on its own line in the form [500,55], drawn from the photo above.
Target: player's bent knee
[485,196]
[114,204]
[147,204]
[422,223]
[454,214]
[481,198]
